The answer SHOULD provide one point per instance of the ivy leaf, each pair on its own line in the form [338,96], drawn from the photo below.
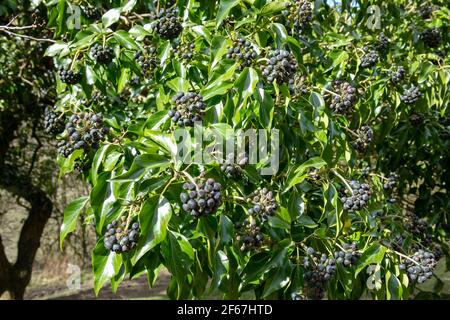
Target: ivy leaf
[71,214]
[105,264]
[141,165]
[111,17]
[373,255]
[154,219]
[125,40]
[224,9]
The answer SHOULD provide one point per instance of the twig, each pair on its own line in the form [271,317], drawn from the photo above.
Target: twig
[343,180]
[27,37]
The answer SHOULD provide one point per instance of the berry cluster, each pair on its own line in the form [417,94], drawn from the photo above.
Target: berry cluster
[391,182]
[365,137]
[84,131]
[249,235]
[345,97]
[69,76]
[370,58]
[410,95]
[319,269]
[102,54]
[118,238]
[233,169]
[147,60]
[426,11]
[358,199]
[168,24]
[281,67]
[189,108]
[422,268]
[397,74]
[300,13]
[382,43]
[264,203]
[416,226]
[92,12]
[53,122]
[298,87]
[201,199]
[242,52]
[349,255]
[431,37]
[185,51]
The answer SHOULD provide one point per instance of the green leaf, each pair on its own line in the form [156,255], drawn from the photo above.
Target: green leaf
[125,40]
[103,197]
[373,255]
[71,214]
[111,17]
[394,289]
[246,83]
[272,7]
[154,219]
[56,48]
[278,280]
[224,9]
[179,256]
[106,264]
[141,165]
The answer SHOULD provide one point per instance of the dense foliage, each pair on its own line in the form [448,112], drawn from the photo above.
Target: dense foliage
[359,203]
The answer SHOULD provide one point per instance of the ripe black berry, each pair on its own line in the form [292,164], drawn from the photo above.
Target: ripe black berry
[382,44]
[370,59]
[92,12]
[249,236]
[121,237]
[397,74]
[69,76]
[422,266]
[242,52]
[281,67]
[358,198]
[344,98]
[425,11]
[202,198]
[185,51]
[349,254]
[264,203]
[189,108]
[102,55]
[299,13]
[53,122]
[319,269]
[233,169]
[391,181]
[147,60]
[168,24]
[84,131]
[431,37]
[365,137]
[410,95]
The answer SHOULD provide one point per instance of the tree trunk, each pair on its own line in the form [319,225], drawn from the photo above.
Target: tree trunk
[15,278]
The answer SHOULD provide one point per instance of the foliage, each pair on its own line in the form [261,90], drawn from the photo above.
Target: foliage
[135,171]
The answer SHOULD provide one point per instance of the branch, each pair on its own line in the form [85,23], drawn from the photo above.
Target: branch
[27,37]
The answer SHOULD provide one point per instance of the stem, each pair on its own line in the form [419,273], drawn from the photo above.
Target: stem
[343,180]
[326,90]
[187,175]
[351,131]
[169,183]
[405,257]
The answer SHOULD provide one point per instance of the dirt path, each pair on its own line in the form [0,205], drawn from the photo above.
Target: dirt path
[128,289]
